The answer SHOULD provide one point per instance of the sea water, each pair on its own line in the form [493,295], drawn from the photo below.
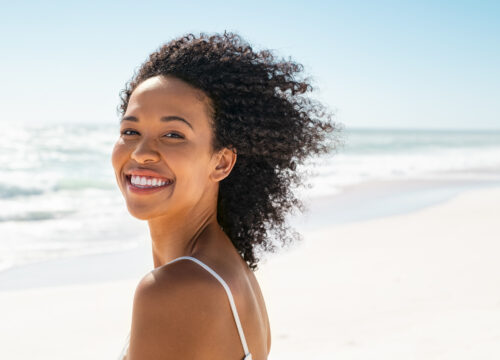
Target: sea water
[397,154]
[58,193]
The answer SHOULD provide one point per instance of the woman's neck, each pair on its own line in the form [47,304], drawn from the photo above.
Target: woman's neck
[172,238]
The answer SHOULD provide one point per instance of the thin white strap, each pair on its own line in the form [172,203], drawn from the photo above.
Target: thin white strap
[248,356]
[125,348]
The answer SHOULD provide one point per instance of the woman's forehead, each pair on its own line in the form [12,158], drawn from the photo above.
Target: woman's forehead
[170,91]
[160,97]
[168,86]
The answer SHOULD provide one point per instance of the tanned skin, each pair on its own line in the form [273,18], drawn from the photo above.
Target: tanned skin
[180,310]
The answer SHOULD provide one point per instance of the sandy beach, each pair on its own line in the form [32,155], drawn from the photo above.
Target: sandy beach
[421,284]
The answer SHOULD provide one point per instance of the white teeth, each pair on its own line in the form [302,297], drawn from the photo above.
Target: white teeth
[142,181]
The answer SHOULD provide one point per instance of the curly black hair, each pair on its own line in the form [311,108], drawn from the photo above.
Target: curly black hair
[259,110]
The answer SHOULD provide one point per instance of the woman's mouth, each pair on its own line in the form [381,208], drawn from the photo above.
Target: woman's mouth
[146,184]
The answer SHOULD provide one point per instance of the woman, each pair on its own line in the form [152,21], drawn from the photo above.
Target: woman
[210,137]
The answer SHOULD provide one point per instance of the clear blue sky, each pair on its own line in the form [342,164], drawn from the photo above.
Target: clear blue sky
[418,64]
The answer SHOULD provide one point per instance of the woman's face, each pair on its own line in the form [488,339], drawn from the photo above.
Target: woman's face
[163,159]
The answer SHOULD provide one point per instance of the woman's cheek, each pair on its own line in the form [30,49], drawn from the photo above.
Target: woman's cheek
[117,155]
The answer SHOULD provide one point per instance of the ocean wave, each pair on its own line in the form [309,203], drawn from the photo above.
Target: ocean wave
[36,216]
[10,191]
[82,184]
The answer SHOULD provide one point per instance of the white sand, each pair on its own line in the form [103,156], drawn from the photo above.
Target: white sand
[423,285]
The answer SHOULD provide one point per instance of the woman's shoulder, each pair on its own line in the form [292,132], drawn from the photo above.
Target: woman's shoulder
[178,302]
[181,281]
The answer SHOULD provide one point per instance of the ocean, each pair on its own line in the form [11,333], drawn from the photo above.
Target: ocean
[58,196]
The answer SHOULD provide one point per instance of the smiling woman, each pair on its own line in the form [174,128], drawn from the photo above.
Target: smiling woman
[210,138]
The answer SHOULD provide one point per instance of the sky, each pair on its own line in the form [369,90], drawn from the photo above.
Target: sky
[376,64]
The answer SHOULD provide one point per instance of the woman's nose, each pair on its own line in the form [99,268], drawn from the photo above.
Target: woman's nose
[144,152]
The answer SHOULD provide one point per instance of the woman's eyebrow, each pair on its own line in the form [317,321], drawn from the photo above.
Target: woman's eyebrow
[164,118]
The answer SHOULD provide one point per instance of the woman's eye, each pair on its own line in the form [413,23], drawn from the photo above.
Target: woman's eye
[176,136]
[129,132]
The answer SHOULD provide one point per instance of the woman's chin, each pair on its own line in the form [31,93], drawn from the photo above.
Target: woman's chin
[141,217]
[141,214]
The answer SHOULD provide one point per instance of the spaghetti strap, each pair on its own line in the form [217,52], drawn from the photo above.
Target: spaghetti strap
[123,353]
[248,355]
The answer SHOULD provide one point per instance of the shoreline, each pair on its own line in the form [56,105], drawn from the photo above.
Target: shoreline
[383,198]
[356,203]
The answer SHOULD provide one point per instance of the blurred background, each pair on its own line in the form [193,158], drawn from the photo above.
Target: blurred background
[416,85]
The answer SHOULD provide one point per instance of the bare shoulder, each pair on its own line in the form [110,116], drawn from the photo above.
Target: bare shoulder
[180,312]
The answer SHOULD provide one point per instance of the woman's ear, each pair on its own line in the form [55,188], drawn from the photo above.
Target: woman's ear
[225,160]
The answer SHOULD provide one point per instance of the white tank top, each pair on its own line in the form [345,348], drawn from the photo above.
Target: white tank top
[248,355]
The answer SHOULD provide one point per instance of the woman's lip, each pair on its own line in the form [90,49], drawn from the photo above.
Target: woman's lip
[144,172]
[139,190]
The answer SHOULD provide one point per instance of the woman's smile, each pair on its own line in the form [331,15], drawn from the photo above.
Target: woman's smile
[144,181]
[146,184]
